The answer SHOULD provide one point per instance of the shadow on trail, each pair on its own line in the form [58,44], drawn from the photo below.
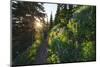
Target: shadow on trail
[42,52]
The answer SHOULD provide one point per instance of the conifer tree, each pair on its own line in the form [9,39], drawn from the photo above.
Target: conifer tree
[51,21]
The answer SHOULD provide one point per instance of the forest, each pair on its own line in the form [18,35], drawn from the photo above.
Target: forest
[67,36]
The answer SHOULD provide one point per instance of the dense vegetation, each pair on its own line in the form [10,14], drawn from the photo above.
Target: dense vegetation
[73,37]
[70,37]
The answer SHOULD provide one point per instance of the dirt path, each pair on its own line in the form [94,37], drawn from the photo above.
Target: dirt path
[42,52]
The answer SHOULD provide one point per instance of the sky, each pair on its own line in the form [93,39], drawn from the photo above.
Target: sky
[50,8]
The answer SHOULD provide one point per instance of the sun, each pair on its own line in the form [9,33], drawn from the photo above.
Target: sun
[38,25]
